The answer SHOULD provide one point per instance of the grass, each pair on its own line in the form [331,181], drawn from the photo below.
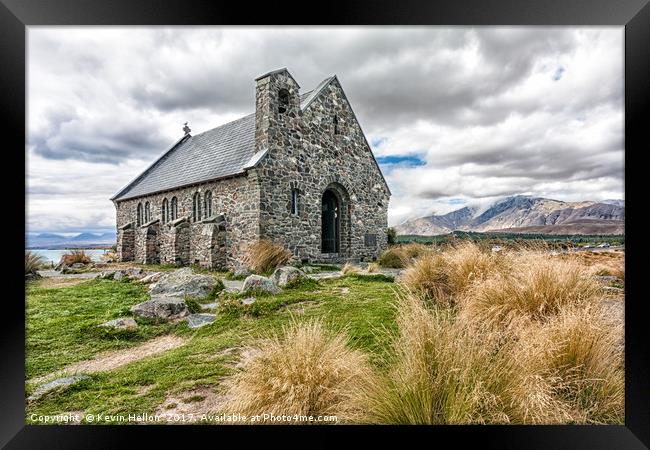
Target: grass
[74,257]
[510,337]
[57,318]
[263,256]
[306,371]
[33,262]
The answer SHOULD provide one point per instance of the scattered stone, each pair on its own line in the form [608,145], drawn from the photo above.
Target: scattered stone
[307,269]
[134,272]
[260,283]
[199,320]
[78,266]
[248,301]
[118,275]
[121,323]
[161,307]
[56,384]
[324,275]
[608,279]
[285,275]
[107,275]
[241,272]
[32,276]
[184,283]
[233,285]
[209,306]
[151,278]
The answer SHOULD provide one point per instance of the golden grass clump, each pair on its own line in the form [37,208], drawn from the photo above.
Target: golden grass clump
[399,256]
[33,262]
[307,371]
[373,268]
[74,257]
[442,277]
[580,355]
[442,373]
[349,269]
[534,289]
[263,256]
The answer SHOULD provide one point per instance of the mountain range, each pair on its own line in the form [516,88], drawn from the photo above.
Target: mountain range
[525,214]
[54,241]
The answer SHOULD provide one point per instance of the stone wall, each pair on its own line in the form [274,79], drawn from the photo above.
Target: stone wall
[126,242]
[306,154]
[235,199]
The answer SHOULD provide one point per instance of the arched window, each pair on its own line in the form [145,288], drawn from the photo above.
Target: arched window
[294,202]
[147,212]
[207,204]
[283,101]
[164,216]
[138,219]
[336,125]
[174,209]
[196,207]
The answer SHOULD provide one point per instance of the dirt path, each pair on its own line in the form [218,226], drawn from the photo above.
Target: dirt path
[118,358]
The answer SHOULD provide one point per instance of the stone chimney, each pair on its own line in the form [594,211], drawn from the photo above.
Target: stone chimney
[277,107]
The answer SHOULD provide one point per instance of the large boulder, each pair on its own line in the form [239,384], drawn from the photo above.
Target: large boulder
[285,275]
[161,307]
[183,283]
[151,278]
[260,284]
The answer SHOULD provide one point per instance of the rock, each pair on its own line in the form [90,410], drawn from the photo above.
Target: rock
[241,272]
[121,323]
[32,276]
[260,283]
[151,278]
[209,306]
[134,272]
[52,385]
[161,307]
[608,279]
[199,320]
[60,266]
[118,275]
[107,275]
[233,285]
[78,266]
[285,275]
[307,269]
[248,301]
[183,282]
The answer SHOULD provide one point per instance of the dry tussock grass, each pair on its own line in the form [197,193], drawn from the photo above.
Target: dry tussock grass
[263,256]
[600,263]
[306,371]
[75,256]
[535,288]
[400,256]
[349,269]
[33,262]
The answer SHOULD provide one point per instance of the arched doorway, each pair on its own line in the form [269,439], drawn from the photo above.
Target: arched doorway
[330,223]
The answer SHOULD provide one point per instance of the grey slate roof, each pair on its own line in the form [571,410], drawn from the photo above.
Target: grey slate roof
[224,151]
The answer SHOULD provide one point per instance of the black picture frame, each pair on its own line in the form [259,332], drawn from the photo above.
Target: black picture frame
[16,15]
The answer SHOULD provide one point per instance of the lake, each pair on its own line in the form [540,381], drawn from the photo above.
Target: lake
[55,255]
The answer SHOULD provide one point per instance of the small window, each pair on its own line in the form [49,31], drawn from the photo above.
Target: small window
[336,125]
[294,202]
[138,219]
[196,207]
[207,204]
[174,209]
[147,212]
[164,210]
[283,101]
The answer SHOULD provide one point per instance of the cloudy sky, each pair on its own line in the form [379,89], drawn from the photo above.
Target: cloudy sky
[454,115]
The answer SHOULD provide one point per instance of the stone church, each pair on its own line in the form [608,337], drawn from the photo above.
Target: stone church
[298,171]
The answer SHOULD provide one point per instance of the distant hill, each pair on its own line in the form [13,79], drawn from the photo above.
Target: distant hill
[525,214]
[82,240]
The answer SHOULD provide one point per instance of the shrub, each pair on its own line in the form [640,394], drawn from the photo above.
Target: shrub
[442,373]
[33,262]
[349,269]
[581,356]
[391,259]
[306,371]
[428,278]
[373,268]
[391,236]
[263,256]
[534,289]
[75,256]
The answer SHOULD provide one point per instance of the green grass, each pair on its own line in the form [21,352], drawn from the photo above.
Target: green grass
[61,329]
